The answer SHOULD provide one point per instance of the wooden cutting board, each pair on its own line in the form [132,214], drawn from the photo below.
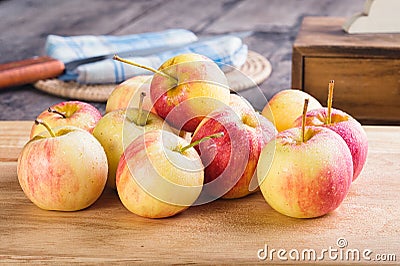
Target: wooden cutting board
[222,232]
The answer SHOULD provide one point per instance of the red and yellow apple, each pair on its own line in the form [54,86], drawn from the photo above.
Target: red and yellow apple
[230,161]
[347,127]
[286,106]
[194,87]
[343,124]
[69,113]
[62,169]
[156,177]
[305,178]
[239,101]
[127,94]
[118,128]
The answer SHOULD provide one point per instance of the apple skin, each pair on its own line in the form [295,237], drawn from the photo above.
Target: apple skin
[117,129]
[202,87]
[286,106]
[230,161]
[239,101]
[79,114]
[65,173]
[348,128]
[305,180]
[127,94]
[153,180]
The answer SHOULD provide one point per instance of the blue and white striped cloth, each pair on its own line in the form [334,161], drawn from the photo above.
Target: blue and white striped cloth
[226,51]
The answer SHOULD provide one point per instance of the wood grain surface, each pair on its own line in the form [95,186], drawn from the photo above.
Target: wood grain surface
[222,232]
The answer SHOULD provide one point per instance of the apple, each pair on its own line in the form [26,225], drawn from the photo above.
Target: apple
[305,179]
[286,106]
[127,94]
[305,172]
[159,175]
[186,88]
[63,169]
[346,126]
[237,100]
[69,113]
[230,161]
[118,128]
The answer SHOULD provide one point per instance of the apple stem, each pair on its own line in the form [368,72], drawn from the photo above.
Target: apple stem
[303,120]
[330,99]
[56,112]
[197,142]
[182,133]
[116,57]
[41,122]
[139,120]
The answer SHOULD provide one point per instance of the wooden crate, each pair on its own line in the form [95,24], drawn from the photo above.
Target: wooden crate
[365,67]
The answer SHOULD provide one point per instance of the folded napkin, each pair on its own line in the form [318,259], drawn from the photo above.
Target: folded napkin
[226,51]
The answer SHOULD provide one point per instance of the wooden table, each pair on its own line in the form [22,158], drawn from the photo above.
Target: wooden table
[222,232]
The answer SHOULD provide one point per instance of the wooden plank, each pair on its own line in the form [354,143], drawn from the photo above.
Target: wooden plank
[222,232]
[194,15]
[13,136]
[375,94]
[278,16]
[24,34]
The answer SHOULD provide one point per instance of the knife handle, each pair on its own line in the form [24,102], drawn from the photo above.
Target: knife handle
[29,71]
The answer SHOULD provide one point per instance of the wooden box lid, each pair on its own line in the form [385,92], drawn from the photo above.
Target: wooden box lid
[324,36]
